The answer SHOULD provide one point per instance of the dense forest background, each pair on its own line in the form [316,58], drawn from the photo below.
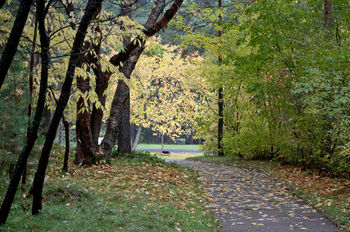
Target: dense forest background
[266,80]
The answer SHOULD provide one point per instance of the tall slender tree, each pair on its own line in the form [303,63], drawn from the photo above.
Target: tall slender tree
[92,9]
[33,131]
[220,99]
[15,35]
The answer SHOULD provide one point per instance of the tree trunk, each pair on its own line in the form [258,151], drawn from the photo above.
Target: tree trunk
[86,151]
[162,138]
[137,138]
[120,97]
[46,121]
[92,10]
[44,40]
[2,2]
[67,147]
[102,79]
[66,130]
[132,53]
[124,141]
[31,89]
[328,13]
[220,103]
[15,35]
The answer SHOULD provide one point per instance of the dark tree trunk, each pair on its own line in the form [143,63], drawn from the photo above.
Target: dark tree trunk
[67,147]
[31,89]
[92,10]
[15,35]
[46,121]
[119,99]
[102,79]
[328,13]
[152,27]
[89,123]
[86,151]
[2,2]
[131,54]
[220,103]
[124,141]
[44,40]
[66,130]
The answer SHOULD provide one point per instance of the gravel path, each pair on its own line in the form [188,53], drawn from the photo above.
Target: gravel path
[249,200]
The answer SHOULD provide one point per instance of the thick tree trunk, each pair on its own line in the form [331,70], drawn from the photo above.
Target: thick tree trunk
[44,40]
[131,54]
[15,35]
[102,79]
[92,10]
[124,141]
[137,138]
[86,151]
[119,99]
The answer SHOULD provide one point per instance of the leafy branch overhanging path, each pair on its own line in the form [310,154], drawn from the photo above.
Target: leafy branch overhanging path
[246,199]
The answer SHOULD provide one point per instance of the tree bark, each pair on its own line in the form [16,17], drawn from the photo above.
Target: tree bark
[150,30]
[328,13]
[45,44]
[86,150]
[137,138]
[31,89]
[131,55]
[15,35]
[102,79]
[220,102]
[66,131]
[67,147]
[119,99]
[91,11]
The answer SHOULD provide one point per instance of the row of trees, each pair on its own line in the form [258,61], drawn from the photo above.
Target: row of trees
[285,79]
[91,47]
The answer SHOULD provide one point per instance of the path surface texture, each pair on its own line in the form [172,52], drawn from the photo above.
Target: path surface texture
[247,199]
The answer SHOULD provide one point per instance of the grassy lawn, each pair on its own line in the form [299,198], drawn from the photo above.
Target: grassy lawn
[169,146]
[330,196]
[139,193]
[178,156]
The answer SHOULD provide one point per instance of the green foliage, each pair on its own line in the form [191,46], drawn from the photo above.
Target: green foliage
[14,100]
[285,73]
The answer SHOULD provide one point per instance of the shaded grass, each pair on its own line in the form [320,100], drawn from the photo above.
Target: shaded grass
[137,193]
[330,196]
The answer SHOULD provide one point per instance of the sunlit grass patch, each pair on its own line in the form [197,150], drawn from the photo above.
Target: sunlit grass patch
[178,156]
[169,146]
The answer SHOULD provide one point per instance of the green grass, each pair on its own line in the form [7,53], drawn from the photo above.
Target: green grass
[137,193]
[169,146]
[179,156]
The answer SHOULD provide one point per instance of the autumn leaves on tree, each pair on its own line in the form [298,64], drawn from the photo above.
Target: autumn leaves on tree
[93,72]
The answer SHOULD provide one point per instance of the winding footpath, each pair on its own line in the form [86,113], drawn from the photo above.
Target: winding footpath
[247,199]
